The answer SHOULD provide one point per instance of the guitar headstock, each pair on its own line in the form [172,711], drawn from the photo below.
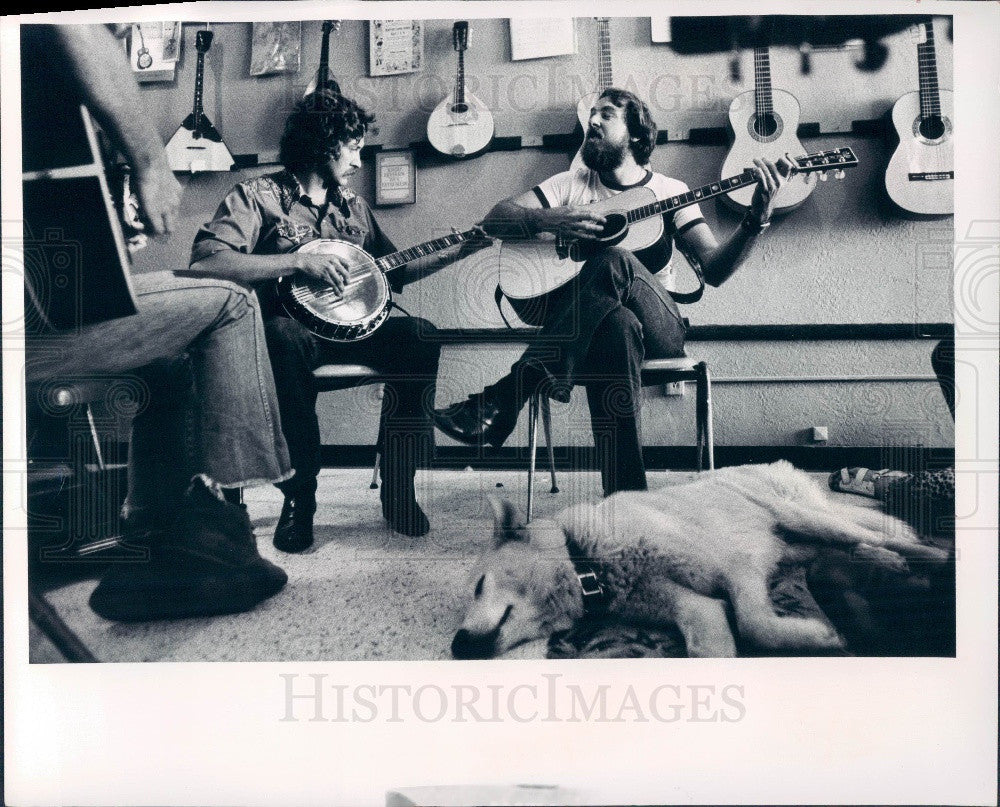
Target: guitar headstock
[203,41]
[329,26]
[460,35]
[822,161]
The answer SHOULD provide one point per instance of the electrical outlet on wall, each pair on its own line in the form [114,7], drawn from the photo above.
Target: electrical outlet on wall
[675,389]
[820,434]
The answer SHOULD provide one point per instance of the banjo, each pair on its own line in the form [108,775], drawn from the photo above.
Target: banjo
[366,300]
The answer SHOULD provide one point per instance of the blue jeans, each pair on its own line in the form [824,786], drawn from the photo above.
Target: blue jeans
[190,334]
[596,331]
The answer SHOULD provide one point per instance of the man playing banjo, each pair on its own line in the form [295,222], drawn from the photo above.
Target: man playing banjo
[254,239]
[598,328]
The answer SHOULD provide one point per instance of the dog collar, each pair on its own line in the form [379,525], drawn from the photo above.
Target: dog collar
[590,574]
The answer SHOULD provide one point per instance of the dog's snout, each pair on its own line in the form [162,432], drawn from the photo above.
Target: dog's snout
[467,645]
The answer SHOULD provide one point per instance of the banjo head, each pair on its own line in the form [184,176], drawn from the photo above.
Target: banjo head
[365,297]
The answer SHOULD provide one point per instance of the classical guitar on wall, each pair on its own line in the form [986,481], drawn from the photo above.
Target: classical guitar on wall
[633,221]
[605,79]
[461,125]
[763,123]
[197,144]
[920,177]
[324,80]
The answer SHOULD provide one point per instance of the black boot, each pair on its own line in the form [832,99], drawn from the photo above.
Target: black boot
[491,415]
[294,532]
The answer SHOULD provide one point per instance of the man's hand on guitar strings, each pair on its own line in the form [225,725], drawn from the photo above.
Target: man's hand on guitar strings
[572,222]
[771,176]
[326,268]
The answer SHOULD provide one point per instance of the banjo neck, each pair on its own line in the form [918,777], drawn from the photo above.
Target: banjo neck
[404,256]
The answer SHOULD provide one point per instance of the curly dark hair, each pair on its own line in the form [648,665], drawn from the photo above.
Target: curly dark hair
[318,126]
[639,121]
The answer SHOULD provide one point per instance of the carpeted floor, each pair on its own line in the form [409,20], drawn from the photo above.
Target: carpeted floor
[363,591]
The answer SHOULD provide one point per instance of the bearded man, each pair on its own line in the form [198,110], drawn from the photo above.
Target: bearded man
[598,329]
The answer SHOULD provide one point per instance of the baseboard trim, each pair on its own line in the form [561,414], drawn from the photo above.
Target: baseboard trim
[810,458]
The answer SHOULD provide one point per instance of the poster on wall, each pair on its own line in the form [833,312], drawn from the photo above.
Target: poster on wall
[541,37]
[275,47]
[395,46]
[154,50]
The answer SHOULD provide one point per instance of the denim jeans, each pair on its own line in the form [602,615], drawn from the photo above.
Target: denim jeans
[596,331]
[409,364]
[193,335]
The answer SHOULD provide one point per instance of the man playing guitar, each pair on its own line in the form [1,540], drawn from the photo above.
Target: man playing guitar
[254,239]
[598,328]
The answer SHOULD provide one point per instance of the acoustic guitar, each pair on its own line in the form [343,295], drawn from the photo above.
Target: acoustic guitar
[80,225]
[920,176]
[461,125]
[763,124]
[324,80]
[366,301]
[633,221]
[197,144]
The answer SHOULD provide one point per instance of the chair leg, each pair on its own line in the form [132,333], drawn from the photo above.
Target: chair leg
[378,457]
[547,429]
[699,417]
[533,405]
[709,418]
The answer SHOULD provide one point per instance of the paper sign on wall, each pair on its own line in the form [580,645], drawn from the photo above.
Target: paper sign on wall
[541,37]
[659,29]
[395,46]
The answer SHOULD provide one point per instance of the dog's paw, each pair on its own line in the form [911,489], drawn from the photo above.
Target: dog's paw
[881,557]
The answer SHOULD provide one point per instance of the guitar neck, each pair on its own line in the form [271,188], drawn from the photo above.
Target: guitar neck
[663,206]
[605,74]
[930,100]
[396,259]
[460,79]
[763,100]
[199,83]
[322,74]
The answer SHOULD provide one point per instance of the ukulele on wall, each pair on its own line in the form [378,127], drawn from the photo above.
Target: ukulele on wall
[763,123]
[920,177]
[197,144]
[461,125]
[324,80]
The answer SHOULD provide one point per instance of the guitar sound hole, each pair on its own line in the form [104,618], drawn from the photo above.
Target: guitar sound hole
[765,125]
[614,228]
[932,127]
[460,109]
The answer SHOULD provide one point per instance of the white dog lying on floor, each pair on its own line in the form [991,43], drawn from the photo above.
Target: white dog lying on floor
[674,555]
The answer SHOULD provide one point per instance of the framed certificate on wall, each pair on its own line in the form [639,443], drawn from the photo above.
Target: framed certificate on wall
[395,178]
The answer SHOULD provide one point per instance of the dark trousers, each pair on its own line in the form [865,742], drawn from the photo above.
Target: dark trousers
[410,364]
[597,331]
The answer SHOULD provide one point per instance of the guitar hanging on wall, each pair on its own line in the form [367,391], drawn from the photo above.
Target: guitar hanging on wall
[633,221]
[605,79]
[920,177]
[324,80]
[461,125]
[197,144]
[763,123]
